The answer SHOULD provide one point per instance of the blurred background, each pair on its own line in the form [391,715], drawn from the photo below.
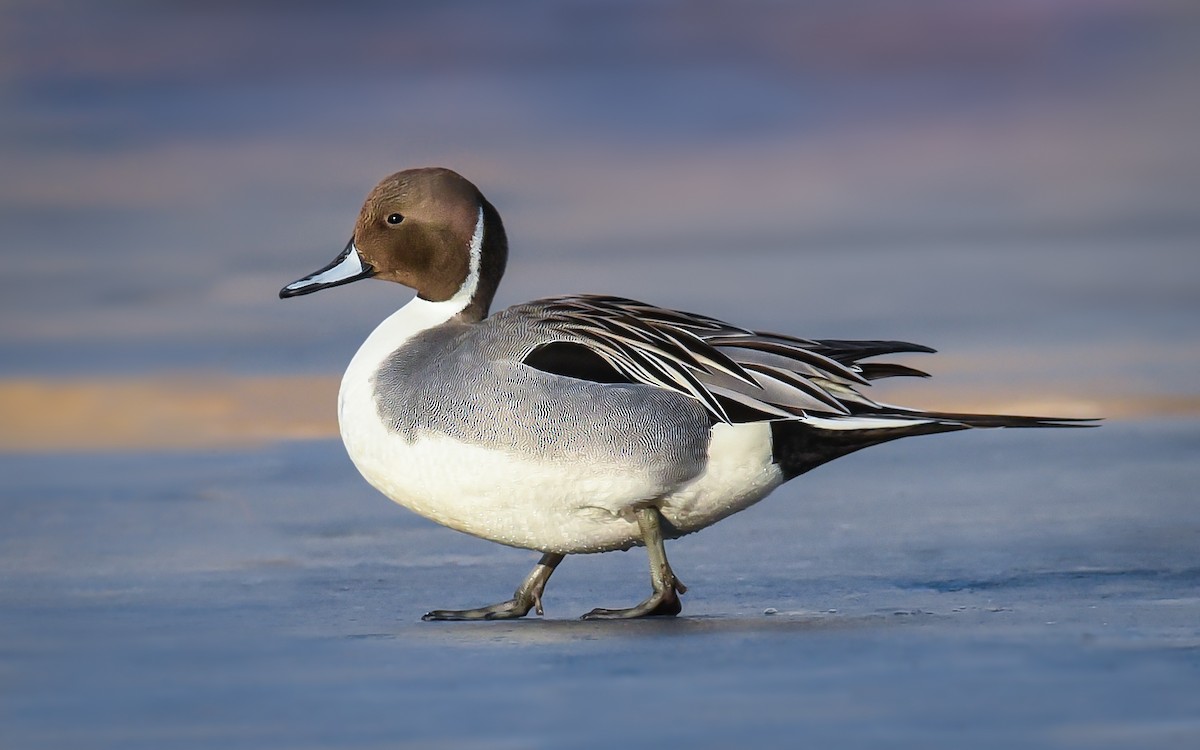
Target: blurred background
[1016,184]
[188,559]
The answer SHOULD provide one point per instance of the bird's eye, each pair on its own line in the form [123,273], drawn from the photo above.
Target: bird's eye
[394,219]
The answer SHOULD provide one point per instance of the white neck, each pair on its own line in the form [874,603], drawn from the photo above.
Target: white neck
[416,316]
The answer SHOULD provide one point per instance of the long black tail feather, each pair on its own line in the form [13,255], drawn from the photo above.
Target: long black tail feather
[800,446]
[984,420]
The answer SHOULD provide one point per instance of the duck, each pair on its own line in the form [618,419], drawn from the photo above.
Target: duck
[586,423]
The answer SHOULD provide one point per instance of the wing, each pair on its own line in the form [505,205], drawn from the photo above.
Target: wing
[739,375]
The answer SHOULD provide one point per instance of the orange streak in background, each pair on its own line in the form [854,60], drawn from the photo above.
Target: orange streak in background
[164,413]
[225,411]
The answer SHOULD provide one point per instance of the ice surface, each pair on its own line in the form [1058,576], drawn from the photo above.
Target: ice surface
[989,589]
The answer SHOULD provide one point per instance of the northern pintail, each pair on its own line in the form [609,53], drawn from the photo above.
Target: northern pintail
[587,423]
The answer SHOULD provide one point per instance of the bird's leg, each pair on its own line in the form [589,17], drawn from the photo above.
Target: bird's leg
[664,602]
[528,596]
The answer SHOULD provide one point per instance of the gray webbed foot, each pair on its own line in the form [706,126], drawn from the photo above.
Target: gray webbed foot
[659,604]
[527,597]
[509,610]
[664,602]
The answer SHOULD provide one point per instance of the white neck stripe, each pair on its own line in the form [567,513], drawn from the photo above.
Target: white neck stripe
[418,315]
[466,292]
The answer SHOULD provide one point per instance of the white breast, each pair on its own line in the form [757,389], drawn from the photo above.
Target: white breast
[530,502]
[533,502]
[540,504]
[491,494]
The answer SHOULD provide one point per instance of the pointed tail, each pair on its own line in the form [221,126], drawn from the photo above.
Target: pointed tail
[802,445]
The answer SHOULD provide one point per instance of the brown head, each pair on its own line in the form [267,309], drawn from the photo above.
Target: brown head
[420,228]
